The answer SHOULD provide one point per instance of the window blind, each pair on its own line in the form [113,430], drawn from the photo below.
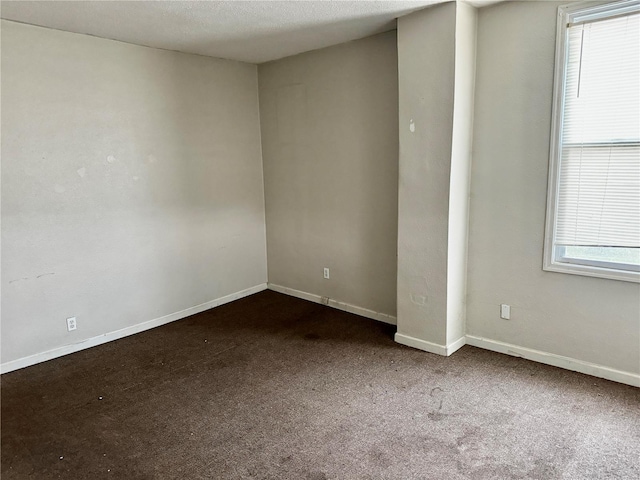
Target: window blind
[598,202]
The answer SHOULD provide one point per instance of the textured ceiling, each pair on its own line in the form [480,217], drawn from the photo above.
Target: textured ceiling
[250,31]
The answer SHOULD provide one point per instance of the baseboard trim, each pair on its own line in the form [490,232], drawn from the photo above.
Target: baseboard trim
[567,363]
[560,361]
[345,307]
[420,344]
[456,345]
[125,332]
[444,350]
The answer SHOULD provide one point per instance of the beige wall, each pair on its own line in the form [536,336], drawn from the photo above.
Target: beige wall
[589,319]
[131,185]
[426,54]
[330,151]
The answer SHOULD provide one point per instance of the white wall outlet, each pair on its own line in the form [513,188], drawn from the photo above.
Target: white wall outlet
[505,311]
[326,273]
[71,324]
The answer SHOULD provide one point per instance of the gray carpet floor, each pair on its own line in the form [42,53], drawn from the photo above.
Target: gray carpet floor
[272,387]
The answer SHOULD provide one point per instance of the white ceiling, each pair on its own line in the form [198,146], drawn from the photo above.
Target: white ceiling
[249,31]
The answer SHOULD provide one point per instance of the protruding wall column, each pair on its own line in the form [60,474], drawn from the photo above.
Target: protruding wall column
[436,65]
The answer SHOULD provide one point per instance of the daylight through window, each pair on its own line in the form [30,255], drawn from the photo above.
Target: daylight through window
[593,221]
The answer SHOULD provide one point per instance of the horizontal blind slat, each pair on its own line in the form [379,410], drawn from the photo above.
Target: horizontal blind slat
[598,197]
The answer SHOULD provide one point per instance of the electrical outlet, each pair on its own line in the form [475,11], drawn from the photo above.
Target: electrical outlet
[326,273]
[71,324]
[505,311]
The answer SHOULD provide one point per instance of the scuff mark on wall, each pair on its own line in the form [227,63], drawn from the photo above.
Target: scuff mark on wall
[111,159]
[412,126]
[82,172]
[27,278]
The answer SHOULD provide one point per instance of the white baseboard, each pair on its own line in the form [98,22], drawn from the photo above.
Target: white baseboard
[125,332]
[457,345]
[568,363]
[346,307]
[444,350]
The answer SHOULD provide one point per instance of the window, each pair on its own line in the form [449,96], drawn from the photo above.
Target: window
[593,207]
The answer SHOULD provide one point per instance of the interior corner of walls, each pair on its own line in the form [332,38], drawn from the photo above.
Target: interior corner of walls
[264,199]
[263,182]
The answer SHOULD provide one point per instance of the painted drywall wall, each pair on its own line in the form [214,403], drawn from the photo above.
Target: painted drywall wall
[426,55]
[589,319]
[131,185]
[330,152]
[460,177]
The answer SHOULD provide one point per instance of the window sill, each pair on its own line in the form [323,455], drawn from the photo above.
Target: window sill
[591,271]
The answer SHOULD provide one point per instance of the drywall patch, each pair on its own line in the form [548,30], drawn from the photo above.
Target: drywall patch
[82,172]
[59,188]
[152,159]
[418,299]
[412,126]
[111,159]
[136,178]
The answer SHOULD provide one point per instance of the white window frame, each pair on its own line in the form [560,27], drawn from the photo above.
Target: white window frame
[553,259]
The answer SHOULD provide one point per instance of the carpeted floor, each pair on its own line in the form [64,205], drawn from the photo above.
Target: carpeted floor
[275,387]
